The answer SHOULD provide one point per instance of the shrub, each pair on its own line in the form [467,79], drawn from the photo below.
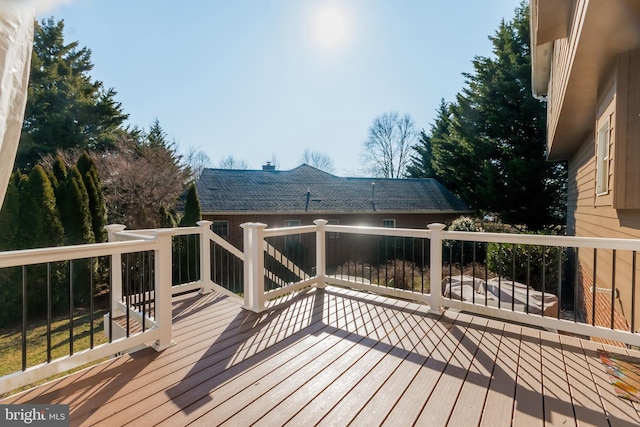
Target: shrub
[536,266]
[459,252]
[395,273]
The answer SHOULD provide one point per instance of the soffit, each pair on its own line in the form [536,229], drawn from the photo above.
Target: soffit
[609,28]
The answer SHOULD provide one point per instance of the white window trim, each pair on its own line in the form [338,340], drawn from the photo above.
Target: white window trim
[603,141]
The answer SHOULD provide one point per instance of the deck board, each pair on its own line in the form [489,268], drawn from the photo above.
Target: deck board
[529,406]
[586,402]
[557,399]
[440,405]
[342,357]
[619,412]
[409,406]
[476,385]
[500,403]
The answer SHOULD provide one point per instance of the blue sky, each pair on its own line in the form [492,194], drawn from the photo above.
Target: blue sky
[259,79]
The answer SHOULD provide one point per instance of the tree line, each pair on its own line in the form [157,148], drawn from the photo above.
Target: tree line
[139,174]
[77,169]
[488,146]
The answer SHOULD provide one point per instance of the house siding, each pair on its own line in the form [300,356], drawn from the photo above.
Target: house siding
[590,215]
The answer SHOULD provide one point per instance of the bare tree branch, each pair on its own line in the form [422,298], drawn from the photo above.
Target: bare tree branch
[386,151]
[318,160]
[231,162]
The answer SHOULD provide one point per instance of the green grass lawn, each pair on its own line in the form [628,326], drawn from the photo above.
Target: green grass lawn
[11,342]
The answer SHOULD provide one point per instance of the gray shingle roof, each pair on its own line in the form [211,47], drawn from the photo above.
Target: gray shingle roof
[306,189]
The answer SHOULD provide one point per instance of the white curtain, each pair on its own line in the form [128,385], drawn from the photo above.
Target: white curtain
[16,43]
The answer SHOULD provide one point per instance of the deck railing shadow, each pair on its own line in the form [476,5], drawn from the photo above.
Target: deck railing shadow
[447,355]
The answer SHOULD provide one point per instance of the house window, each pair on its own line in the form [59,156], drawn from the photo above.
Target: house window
[221,228]
[389,223]
[333,235]
[292,239]
[602,158]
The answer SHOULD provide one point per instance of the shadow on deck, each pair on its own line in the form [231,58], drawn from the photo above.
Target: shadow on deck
[334,356]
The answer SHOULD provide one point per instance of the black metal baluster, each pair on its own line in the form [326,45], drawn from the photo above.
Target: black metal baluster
[70,307]
[593,292]
[499,275]
[24,318]
[559,249]
[91,302]
[110,281]
[127,297]
[633,292]
[514,248]
[461,269]
[526,306]
[613,288]
[576,285]
[544,270]
[473,272]
[49,309]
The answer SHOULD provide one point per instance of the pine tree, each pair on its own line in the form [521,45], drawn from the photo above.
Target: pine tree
[167,220]
[59,169]
[40,224]
[192,212]
[10,278]
[75,213]
[489,146]
[58,177]
[97,205]
[65,108]
[9,216]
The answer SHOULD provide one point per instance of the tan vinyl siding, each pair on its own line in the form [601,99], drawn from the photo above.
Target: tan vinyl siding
[585,218]
[627,173]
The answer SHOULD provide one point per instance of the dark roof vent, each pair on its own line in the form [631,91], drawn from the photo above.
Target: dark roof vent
[268,167]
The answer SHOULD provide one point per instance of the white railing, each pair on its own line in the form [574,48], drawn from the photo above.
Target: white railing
[256,296]
[250,268]
[159,331]
[157,322]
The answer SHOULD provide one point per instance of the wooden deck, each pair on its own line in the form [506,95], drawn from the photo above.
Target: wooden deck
[339,357]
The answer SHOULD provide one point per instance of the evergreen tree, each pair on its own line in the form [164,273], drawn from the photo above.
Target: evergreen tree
[97,208]
[9,216]
[39,224]
[421,162]
[10,283]
[489,147]
[157,137]
[59,169]
[192,212]
[75,213]
[167,220]
[65,108]
[97,205]
[58,177]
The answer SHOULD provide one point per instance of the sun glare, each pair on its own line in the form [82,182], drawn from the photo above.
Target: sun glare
[330,26]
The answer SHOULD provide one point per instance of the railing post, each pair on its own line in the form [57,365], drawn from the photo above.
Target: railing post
[435,266]
[254,297]
[162,288]
[116,264]
[205,256]
[321,252]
